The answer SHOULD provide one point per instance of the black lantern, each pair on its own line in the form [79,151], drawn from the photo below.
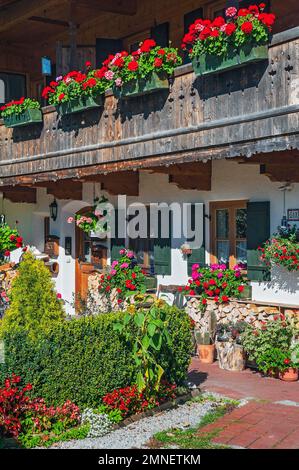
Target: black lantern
[53,210]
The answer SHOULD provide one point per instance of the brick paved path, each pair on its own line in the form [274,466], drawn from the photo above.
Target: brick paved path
[261,424]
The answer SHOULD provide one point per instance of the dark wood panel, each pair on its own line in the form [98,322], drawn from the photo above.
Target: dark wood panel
[250,110]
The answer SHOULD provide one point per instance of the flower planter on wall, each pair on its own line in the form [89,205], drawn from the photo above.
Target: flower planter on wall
[30,116]
[153,83]
[208,64]
[83,103]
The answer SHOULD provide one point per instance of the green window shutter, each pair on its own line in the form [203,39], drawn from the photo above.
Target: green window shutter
[162,252]
[198,254]
[117,243]
[258,231]
[160,34]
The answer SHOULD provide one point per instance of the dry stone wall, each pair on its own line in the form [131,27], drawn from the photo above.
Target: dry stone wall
[238,311]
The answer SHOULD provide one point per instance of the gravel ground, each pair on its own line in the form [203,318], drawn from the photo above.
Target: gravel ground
[136,435]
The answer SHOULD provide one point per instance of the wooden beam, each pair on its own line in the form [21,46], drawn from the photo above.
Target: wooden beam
[52,21]
[68,189]
[121,7]
[125,182]
[280,173]
[193,168]
[20,11]
[19,194]
[288,157]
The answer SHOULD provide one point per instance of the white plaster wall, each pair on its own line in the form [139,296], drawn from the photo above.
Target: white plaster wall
[230,181]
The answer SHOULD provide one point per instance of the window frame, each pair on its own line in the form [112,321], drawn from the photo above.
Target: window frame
[232,206]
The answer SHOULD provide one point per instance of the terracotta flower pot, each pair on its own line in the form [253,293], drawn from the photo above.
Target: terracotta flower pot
[289,375]
[206,353]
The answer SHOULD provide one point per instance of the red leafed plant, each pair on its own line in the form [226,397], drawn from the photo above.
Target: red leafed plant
[224,35]
[130,401]
[20,413]
[14,403]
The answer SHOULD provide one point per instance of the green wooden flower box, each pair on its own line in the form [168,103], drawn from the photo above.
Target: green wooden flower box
[152,83]
[30,116]
[209,64]
[84,103]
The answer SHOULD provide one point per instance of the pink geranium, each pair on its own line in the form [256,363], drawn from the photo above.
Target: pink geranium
[70,220]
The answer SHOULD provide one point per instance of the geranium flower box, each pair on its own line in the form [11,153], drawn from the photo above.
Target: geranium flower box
[154,82]
[79,105]
[29,116]
[209,64]
[238,37]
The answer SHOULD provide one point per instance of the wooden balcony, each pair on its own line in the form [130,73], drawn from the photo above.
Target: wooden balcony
[250,110]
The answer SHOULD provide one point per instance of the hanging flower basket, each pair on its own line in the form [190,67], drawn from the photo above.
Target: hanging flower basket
[80,104]
[238,38]
[154,82]
[21,112]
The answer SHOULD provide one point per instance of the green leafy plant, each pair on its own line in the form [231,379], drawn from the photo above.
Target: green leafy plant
[231,331]
[152,333]
[226,35]
[10,240]
[76,84]
[84,359]
[34,306]
[275,333]
[275,359]
[18,106]
[149,57]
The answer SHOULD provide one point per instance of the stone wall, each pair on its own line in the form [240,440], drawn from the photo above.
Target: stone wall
[7,273]
[238,311]
[98,302]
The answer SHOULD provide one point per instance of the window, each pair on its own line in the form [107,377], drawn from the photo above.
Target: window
[216,9]
[228,233]
[13,86]
[143,248]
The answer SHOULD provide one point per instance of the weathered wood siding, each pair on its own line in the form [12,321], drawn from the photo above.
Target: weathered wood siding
[241,112]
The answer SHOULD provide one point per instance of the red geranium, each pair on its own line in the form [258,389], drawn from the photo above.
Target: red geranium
[158,62]
[133,65]
[247,27]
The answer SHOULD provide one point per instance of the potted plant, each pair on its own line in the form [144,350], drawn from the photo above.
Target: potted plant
[259,341]
[9,240]
[77,91]
[230,352]
[21,112]
[205,338]
[231,41]
[215,282]
[279,361]
[282,249]
[144,71]
[186,249]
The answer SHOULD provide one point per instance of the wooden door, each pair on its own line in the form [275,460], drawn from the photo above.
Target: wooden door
[91,256]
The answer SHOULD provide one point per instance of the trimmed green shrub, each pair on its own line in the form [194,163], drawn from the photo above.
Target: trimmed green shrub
[34,306]
[83,359]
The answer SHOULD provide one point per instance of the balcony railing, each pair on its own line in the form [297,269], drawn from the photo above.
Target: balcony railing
[249,110]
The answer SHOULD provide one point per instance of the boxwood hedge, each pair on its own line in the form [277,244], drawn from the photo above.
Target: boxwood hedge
[83,359]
